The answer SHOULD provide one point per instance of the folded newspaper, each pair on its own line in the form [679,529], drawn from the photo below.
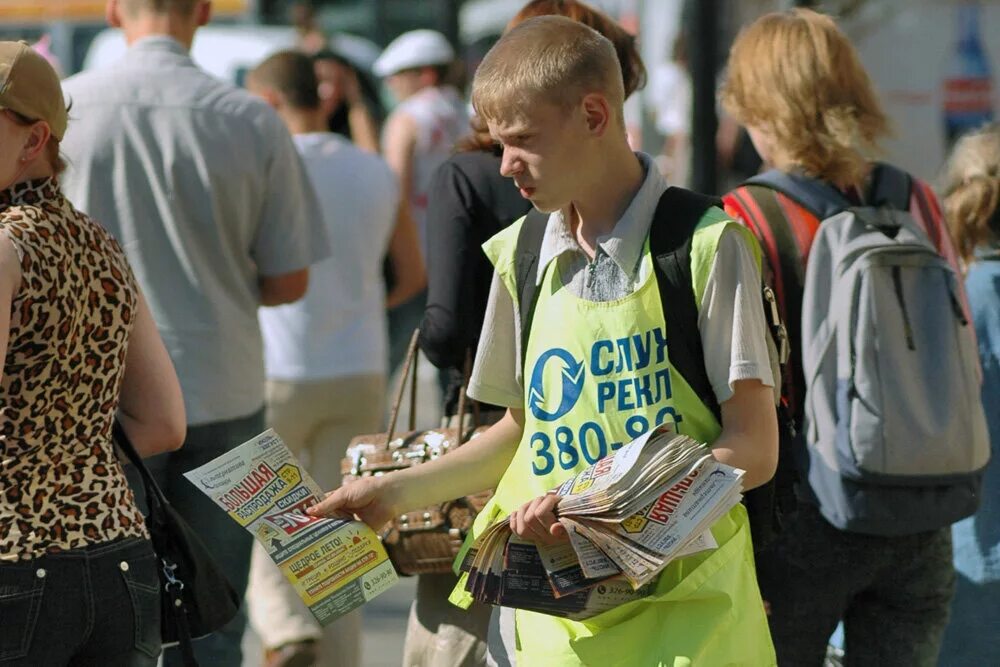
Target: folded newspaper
[627,517]
[335,565]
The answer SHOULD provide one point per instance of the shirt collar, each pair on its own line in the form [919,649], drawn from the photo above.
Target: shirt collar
[154,44]
[624,244]
[30,193]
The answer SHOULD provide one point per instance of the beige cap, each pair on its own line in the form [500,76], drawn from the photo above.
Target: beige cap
[30,86]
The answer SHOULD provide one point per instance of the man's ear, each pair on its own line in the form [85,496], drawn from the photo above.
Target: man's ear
[269,95]
[203,13]
[112,13]
[596,113]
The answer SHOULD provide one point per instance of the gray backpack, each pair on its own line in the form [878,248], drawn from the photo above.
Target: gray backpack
[894,425]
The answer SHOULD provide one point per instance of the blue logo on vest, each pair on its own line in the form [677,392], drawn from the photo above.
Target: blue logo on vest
[572,383]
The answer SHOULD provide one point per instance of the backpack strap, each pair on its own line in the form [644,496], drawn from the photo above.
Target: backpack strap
[677,215]
[891,187]
[818,197]
[768,219]
[526,254]
[670,236]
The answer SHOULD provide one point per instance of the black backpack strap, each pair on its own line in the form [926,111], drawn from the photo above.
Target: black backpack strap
[820,198]
[670,235]
[526,254]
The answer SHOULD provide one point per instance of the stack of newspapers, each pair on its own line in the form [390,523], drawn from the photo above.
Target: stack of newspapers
[627,516]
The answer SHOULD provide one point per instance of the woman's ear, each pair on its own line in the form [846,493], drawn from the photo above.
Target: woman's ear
[38,139]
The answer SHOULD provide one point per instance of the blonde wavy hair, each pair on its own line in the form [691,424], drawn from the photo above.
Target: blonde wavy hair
[795,76]
[971,188]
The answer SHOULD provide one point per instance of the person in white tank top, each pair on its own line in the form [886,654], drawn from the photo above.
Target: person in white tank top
[429,118]
[419,136]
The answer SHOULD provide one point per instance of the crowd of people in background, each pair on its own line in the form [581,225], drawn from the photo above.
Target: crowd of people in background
[201,262]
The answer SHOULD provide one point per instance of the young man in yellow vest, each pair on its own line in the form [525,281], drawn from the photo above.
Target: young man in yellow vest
[596,362]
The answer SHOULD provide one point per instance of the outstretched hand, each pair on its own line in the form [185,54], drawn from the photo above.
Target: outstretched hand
[537,521]
[369,499]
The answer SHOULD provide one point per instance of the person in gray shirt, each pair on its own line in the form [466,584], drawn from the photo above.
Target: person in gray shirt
[203,187]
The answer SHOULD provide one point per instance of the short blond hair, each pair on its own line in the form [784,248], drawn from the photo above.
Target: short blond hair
[971,188]
[797,77]
[549,59]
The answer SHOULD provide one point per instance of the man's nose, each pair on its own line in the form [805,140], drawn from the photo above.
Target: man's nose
[510,165]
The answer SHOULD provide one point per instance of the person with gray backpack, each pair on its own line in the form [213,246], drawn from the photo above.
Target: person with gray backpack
[884,380]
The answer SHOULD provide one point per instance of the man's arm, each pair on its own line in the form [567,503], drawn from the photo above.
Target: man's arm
[469,469]
[284,288]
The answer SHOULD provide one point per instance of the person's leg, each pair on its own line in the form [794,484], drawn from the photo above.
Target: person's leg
[228,542]
[316,420]
[806,582]
[438,633]
[44,613]
[276,613]
[352,406]
[125,598]
[973,634]
[901,617]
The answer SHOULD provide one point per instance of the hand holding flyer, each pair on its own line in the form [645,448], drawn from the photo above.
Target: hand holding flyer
[335,565]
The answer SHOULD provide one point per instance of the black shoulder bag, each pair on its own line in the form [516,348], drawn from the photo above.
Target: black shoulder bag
[197,598]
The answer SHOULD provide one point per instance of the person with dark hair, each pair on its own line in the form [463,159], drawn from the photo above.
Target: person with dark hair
[202,183]
[79,348]
[325,355]
[349,100]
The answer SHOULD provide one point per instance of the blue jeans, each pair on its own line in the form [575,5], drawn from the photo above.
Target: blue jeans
[228,542]
[94,606]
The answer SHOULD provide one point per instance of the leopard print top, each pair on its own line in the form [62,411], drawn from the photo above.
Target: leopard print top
[61,486]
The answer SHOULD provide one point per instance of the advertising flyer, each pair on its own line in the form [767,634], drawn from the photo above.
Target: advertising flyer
[335,565]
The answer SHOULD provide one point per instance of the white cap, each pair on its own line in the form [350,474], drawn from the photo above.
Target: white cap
[417,48]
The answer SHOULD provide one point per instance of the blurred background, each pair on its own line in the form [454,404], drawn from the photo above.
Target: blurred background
[934,61]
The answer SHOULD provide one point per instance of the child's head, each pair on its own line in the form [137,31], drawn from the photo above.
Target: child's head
[972,189]
[551,93]
[797,84]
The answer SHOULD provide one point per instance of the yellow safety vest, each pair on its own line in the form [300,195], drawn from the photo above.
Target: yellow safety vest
[597,375]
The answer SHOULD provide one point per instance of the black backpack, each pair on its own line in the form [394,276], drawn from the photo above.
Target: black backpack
[671,232]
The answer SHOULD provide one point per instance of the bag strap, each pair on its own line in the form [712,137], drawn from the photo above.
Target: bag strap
[677,215]
[818,197]
[157,502]
[891,187]
[526,256]
[670,236]
[409,374]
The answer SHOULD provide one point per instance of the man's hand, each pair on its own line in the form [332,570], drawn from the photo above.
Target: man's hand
[370,499]
[536,521]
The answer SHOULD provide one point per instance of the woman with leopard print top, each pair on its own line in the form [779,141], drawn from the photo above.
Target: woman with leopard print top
[78,578]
